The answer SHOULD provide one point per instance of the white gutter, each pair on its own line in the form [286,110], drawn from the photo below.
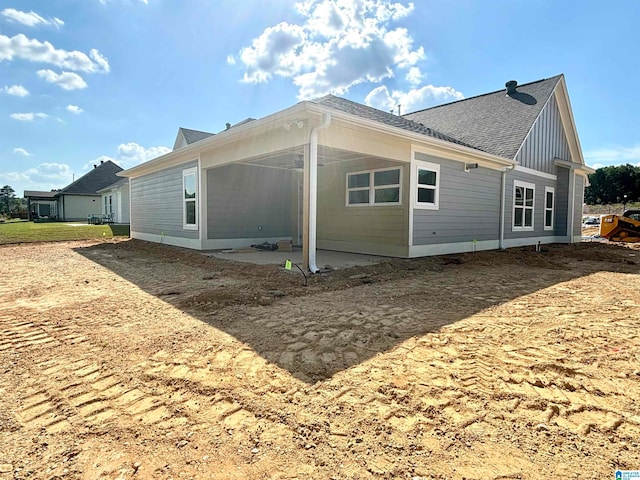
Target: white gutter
[313,190]
[503,204]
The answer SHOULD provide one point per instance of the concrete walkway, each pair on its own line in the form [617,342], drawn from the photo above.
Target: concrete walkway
[324,258]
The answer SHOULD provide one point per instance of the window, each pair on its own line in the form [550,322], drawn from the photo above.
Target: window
[190,198]
[427,185]
[105,205]
[375,187]
[523,199]
[110,205]
[549,194]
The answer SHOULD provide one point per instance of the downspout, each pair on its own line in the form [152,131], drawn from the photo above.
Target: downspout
[503,185]
[313,190]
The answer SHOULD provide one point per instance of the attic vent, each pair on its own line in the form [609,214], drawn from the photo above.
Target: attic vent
[511,86]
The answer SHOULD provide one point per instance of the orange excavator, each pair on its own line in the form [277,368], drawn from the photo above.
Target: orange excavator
[625,228]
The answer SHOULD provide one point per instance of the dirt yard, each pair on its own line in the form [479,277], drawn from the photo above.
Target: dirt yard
[128,360]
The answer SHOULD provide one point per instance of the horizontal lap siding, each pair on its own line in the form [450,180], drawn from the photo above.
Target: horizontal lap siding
[562,201]
[577,206]
[469,206]
[538,205]
[246,201]
[157,203]
[545,142]
[369,229]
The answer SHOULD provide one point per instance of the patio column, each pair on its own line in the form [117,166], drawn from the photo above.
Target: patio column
[305,209]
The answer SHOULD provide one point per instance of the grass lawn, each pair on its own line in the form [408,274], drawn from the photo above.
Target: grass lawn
[21,232]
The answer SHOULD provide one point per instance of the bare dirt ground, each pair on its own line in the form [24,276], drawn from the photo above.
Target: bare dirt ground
[131,360]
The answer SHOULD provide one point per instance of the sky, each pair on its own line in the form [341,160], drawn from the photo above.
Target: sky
[89,80]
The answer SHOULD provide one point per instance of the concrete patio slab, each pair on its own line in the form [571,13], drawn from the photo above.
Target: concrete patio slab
[325,259]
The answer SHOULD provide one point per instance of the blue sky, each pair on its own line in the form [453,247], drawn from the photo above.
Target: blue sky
[86,80]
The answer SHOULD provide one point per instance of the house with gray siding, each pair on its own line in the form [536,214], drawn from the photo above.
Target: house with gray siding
[497,170]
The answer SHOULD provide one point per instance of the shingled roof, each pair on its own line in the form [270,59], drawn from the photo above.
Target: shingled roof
[364,111]
[100,177]
[495,122]
[193,136]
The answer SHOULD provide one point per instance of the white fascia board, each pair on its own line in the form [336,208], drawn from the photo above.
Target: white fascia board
[305,110]
[428,144]
[536,173]
[239,133]
[568,122]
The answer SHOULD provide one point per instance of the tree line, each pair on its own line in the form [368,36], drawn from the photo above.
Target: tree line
[614,184]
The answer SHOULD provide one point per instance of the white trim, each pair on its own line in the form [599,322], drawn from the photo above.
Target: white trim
[187,172]
[430,167]
[572,204]
[307,110]
[193,243]
[223,243]
[525,185]
[372,188]
[202,205]
[537,173]
[547,190]
[448,248]
[523,242]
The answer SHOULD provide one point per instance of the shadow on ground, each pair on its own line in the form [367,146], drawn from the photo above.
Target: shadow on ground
[346,317]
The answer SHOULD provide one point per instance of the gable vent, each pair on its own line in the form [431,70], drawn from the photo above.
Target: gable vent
[511,86]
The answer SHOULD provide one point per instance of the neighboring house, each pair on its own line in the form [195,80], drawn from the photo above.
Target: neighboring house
[115,201]
[77,200]
[494,171]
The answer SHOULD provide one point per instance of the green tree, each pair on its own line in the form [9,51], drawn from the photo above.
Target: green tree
[7,199]
[611,184]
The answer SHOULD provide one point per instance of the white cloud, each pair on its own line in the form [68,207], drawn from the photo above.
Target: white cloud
[22,47]
[21,151]
[129,155]
[74,109]
[414,76]
[428,95]
[31,19]
[65,80]
[613,156]
[340,44]
[43,177]
[27,117]
[16,90]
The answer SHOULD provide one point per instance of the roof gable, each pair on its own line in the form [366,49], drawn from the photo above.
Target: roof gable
[187,136]
[495,122]
[100,177]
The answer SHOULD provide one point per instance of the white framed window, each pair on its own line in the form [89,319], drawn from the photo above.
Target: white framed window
[374,187]
[427,186]
[549,205]
[523,205]
[190,198]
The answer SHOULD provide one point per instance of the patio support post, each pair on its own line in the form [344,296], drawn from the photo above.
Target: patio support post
[305,210]
[313,189]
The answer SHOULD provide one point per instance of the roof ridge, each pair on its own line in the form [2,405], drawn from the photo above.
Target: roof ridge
[483,95]
[90,172]
[193,130]
[417,126]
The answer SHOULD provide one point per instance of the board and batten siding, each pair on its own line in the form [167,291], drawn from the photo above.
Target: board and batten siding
[246,201]
[369,229]
[538,205]
[546,141]
[157,202]
[469,206]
